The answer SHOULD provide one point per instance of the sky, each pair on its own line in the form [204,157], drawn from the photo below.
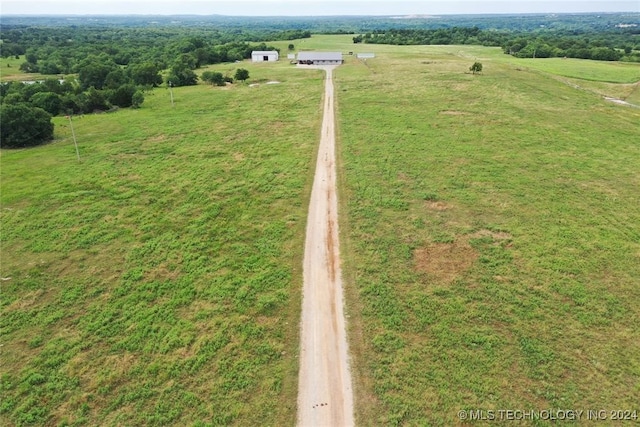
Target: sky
[308,7]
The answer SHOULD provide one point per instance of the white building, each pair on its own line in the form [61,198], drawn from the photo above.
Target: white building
[365,55]
[320,58]
[264,55]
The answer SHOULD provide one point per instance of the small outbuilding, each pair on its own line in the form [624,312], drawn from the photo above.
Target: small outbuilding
[264,56]
[320,58]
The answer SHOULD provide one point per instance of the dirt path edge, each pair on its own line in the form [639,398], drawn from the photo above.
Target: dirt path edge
[325,394]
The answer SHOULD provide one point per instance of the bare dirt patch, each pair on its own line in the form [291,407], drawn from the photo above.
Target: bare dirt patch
[453,113]
[437,206]
[27,301]
[157,138]
[445,261]
[162,272]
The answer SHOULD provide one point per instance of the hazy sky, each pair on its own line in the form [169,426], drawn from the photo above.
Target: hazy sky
[309,7]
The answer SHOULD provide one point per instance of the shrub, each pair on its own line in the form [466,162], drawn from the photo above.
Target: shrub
[24,126]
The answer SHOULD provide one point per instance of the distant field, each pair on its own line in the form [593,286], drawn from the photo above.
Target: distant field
[490,240]
[10,71]
[601,71]
[157,282]
[492,237]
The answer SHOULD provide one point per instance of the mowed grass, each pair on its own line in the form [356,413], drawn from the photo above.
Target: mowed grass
[491,238]
[157,281]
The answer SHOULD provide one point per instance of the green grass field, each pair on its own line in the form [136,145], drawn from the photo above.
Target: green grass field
[490,241]
[492,230]
[157,282]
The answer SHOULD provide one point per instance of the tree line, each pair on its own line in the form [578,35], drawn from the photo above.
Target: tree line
[622,44]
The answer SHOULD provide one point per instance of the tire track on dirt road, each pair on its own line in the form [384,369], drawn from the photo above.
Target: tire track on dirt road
[325,396]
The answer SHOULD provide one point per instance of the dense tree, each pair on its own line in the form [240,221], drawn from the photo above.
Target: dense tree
[605,44]
[115,79]
[12,98]
[146,74]
[213,77]
[93,100]
[182,75]
[123,96]
[31,57]
[24,126]
[28,67]
[71,104]
[241,74]
[94,70]
[48,101]
[188,60]
[605,54]
[137,99]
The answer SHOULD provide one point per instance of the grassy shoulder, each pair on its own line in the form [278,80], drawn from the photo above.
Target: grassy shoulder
[491,237]
[156,281]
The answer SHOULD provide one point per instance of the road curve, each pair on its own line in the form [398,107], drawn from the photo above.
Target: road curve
[325,394]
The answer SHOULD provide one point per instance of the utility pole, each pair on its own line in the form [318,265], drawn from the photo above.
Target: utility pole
[171,92]
[75,142]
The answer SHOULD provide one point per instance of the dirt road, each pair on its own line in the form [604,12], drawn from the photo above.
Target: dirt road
[324,392]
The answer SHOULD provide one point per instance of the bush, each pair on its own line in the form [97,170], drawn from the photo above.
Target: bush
[476,67]
[48,101]
[24,126]
[213,77]
[137,99]
[182,75]
[241,74]
[123,96]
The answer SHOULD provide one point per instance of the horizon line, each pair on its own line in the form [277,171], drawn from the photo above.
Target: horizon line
[417,15]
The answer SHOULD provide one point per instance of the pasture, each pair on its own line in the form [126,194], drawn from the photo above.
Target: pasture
[490,245]
[157,281]
[492,235]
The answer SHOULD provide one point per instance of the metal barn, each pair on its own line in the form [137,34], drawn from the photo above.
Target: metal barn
[320,58]
[264,56]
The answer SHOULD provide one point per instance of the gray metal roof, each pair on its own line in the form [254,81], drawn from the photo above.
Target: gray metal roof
[320,56]
[264,52]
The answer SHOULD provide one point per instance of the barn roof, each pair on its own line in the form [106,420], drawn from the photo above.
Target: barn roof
[320,56]
[264,52]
